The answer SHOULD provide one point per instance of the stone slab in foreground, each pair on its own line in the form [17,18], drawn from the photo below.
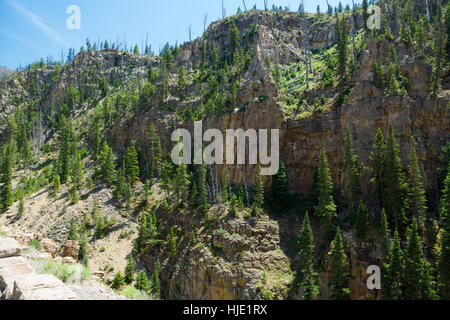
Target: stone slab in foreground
[41,287]
[9,248]
[9,275]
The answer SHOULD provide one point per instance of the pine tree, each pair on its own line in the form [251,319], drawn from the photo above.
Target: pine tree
[77,174]
[342,46]
[395,186]
[202,191]
[362,221]
[378,156]
[97,140]
[72,231]
[439,46]
[118,281]
[234,43]
[6,196]
[156,281]
[83,253]
[365,14]
[339,269]
[384,231]
[66,148]
[129,271]
[131,165]
[241,198]
[107,164]
[447,29]
[279,190]
[417,200]
[259,190]
[350,170]
[27,153]
[307,276]
[182,183]
[393,271]
[427,282]
[155,153]
[21,209]
[378,77]
[326,208]
[393,87]
[413,270]
[74,196]
[421,36]
[232,210]
[142,282]
[443,265]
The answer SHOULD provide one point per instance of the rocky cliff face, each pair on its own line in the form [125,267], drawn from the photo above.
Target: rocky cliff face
[232,259]
[252,258]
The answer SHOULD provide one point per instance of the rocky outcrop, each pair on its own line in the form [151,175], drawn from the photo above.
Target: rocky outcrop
[240,259]
[18,281]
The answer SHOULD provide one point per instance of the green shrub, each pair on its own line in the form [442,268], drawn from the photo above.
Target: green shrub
[118,281]
[67,273]
[35,244]
[134,294]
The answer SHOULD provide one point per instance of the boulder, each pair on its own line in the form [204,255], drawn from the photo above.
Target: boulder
[71,249]
[9,248]
[69,260]
[99,274]
[11,262]
[50,246]
[38,256]
[41,287]
[57,293]
[9,275]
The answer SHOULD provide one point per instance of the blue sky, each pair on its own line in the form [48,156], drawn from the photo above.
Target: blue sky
[31,29]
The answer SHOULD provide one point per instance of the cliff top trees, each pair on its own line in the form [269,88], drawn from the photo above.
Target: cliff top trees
[342,46]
